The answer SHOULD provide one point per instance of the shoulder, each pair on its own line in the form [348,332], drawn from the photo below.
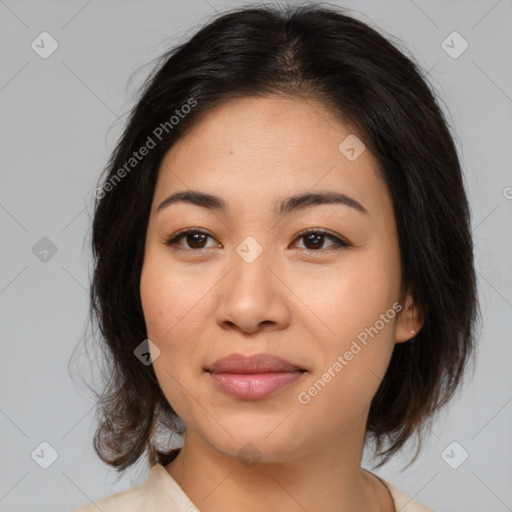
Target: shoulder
[159,492]
[403,502]
[131,500]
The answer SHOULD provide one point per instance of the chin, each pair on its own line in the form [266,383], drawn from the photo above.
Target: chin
[256,447]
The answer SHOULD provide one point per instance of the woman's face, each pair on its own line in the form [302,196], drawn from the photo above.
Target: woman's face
[251,282]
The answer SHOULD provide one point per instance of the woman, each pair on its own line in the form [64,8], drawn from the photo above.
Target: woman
[283,269]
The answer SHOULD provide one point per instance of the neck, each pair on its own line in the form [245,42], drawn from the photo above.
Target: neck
[325,477]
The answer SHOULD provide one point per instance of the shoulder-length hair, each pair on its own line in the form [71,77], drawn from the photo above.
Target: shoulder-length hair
[309,51]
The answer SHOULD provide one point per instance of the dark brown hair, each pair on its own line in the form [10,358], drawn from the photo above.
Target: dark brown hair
[315,51]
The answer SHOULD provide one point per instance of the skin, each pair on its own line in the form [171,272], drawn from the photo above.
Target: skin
[202,301]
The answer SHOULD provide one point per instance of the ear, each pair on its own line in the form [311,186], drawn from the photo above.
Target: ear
[409,322]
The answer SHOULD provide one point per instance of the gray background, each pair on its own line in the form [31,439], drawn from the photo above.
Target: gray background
[59,122]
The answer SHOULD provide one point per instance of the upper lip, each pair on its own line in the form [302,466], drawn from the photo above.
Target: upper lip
[257,363]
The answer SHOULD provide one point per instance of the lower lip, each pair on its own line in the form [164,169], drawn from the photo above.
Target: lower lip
[253,386]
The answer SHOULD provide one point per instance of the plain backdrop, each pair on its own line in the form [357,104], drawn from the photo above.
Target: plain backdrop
[60,118]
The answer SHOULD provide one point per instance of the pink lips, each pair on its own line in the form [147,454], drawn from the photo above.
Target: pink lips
[253,377]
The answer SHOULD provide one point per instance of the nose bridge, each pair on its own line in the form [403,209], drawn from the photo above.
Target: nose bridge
[250,250]
[250,273]
[251,294]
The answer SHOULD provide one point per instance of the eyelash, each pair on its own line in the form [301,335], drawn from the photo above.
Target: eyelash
[340,243]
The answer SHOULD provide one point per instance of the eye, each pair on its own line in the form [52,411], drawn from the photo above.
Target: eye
[314,240]
[194,237]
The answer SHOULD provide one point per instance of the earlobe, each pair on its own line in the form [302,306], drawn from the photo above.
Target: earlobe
[409,322]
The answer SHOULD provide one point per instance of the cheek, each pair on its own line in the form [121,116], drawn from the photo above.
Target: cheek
[175,311]
[171,300]
[351,296]
[355,305]
[169,318]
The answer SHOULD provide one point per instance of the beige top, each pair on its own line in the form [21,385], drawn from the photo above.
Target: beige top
[161,493]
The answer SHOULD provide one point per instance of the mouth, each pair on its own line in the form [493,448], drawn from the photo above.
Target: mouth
[253,377]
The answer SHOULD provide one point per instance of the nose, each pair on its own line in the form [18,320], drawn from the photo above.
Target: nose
[252,296]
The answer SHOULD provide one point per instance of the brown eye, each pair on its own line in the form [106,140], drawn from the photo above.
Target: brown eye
[314,240]
[194,239]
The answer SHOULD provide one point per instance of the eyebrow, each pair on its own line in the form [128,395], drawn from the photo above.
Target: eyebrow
[284,207]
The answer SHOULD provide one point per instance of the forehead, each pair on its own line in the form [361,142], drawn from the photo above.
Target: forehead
[264,148]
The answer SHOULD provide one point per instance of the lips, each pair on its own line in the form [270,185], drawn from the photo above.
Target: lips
[258,363]
[253,377]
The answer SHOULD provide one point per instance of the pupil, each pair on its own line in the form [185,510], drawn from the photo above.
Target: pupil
[314,236]
[195,240]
